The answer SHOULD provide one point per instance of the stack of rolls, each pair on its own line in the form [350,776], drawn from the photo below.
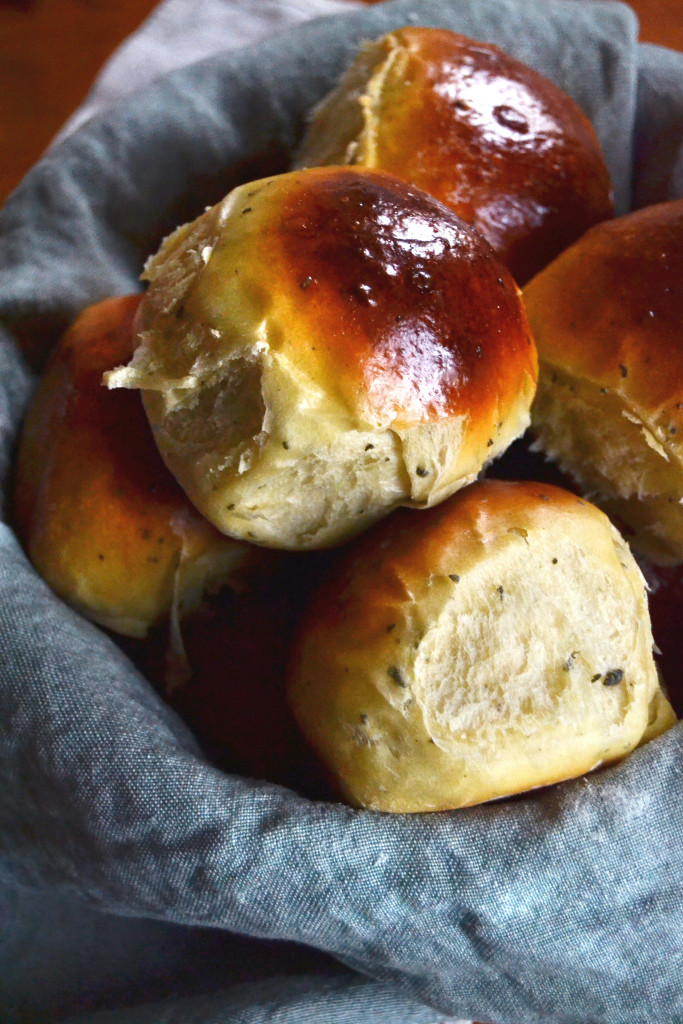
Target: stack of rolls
[315,351]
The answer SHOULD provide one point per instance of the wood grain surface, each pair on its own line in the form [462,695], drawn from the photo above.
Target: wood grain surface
[51,50]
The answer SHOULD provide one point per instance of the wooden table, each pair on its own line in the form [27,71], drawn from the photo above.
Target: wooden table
[50,51]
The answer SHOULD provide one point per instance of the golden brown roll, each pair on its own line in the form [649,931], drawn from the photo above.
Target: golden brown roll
[324,346]
[507,149]
[607,316]
[493,644]
[102,519]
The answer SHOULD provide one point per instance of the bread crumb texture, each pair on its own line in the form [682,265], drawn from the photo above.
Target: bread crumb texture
[498,643]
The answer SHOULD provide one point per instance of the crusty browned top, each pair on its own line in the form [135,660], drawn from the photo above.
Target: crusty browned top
[407,303]
[76,423]
[610,309]
[501,144]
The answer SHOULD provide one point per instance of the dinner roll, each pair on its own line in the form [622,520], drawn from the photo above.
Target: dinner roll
[507,149]
[608,319]
[498,642]
[323,346]
[102,519]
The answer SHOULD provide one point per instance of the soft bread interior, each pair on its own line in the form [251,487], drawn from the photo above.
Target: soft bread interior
[340,127]
[512,654]
[623,458]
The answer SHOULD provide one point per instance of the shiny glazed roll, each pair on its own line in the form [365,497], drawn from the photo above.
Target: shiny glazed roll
[507,149]
[102,519]
[496,643]
[324,346]
[607,316]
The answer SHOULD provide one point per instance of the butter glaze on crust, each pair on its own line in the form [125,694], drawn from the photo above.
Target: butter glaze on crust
[493,644]
[508,150]
[324,346]
[102,519]
[608,319]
